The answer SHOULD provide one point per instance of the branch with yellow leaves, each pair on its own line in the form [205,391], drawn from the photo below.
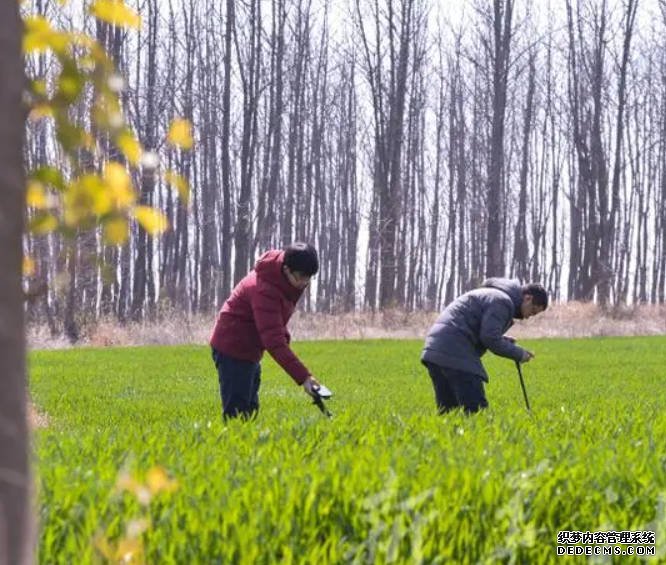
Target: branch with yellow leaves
[70,197]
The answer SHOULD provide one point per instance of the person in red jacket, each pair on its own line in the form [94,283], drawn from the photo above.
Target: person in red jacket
[254,319]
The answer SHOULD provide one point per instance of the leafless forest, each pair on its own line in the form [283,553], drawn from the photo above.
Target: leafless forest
[421,145]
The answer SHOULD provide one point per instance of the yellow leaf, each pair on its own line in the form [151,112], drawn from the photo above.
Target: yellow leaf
[39,87]
[180,134]
[130,147]
[73,215]
[43,224]
[116,13]
[84,40]
[119,184]
[39,36]
[28,266]
[129,551]
[36,195]
[40,111]
[104,547]
[87,196]
[179,183]
[49,176]
[116,231]
[69,87]
[37,24]
[152,220]
[70,136]
[158,481]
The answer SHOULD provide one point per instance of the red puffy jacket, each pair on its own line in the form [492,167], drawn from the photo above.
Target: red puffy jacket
[254,318]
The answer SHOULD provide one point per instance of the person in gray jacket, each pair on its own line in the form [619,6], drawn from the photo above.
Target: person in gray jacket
[470,325]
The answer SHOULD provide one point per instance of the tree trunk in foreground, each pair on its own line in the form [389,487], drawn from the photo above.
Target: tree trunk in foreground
[15,542]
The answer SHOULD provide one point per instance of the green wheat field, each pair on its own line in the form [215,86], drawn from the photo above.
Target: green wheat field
[136,465]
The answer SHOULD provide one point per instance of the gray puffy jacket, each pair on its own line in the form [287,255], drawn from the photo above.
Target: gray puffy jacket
[474,323]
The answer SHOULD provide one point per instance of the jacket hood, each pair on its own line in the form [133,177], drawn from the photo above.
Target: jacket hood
[269,269]
[512,287]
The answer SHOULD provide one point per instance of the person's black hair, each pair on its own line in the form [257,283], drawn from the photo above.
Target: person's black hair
[538,294]
[301,257]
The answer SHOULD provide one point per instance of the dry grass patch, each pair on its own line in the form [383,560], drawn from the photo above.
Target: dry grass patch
[578,319]
[36,419]
[574,319]
[570,320]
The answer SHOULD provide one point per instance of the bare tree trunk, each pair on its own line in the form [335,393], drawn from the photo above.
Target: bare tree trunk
[459,238]
[431,292]
[43,251]
[143,290]
[321,194]
[167,260]
[226,153]
[300,63]
[250,78]
[583,201]
[207,71]
[111,39]
[640,169]
[476,221]
[70,325]
[502,33]
[347,155]
[520,251]
[608,225]
[188,257]
[456,172]
[389,95]
[270,197]
[372,266]
[15,479]
[390,196]
[660,290]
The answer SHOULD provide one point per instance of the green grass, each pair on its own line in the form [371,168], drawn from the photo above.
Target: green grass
[385,481]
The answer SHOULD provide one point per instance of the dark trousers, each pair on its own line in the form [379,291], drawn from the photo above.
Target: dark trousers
[239,386]
[457,389]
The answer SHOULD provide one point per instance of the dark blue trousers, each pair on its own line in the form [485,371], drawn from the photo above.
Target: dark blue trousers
[457,389]
[239,386]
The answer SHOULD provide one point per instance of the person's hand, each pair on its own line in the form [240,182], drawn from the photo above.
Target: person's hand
[510,338]
[310,385]
[527,355]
